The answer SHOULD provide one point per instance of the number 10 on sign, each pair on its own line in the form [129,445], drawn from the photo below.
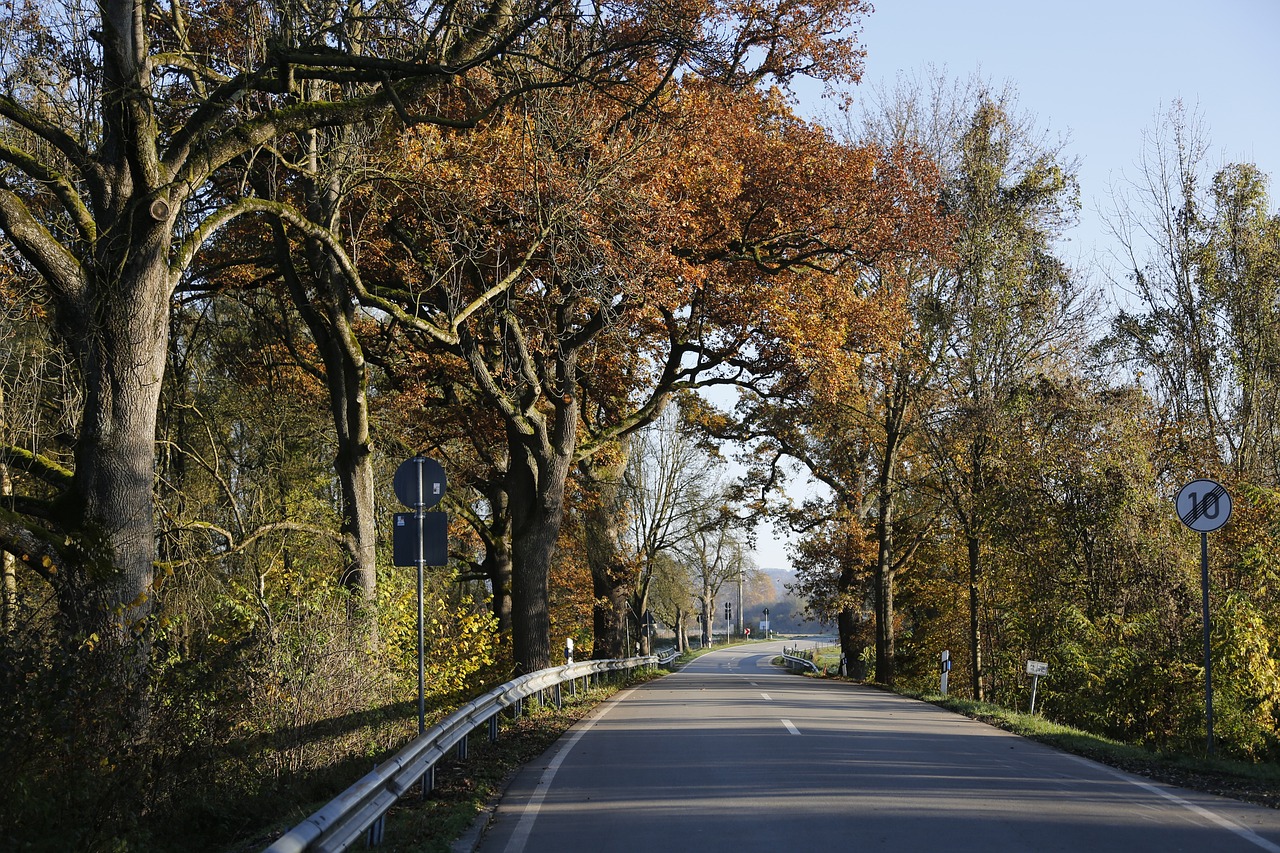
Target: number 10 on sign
[1204,506]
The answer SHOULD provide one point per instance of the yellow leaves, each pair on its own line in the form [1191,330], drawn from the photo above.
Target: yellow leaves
[459,639]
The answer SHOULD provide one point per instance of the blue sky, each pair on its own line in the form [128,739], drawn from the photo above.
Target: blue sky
[1099,72]
[1096,73]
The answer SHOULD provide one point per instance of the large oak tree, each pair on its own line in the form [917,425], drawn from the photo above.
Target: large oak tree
[117,119]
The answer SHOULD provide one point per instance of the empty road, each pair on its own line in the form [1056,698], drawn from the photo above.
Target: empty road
[733,754]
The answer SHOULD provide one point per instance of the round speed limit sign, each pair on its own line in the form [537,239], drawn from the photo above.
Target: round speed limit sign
[1203,505]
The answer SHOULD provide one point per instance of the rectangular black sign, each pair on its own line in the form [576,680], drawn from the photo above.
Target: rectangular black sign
[435,539]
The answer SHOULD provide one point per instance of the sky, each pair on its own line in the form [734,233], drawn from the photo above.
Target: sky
[1097,74]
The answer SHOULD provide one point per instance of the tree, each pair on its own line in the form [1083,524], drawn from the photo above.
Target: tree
[1014,304]
[1161,228]
[106,198]
[714,555]
[1241,272]
[845,402]
[1201,249]
[671,597]
[606,508]
[673,487]
[583,288]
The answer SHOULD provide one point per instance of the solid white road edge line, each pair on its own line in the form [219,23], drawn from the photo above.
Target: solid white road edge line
[1243,831]
[521,835]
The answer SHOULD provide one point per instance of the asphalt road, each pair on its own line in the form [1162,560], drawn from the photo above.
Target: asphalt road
[733,754]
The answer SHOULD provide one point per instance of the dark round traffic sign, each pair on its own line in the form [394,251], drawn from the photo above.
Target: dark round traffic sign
[1203,505]
[419,482]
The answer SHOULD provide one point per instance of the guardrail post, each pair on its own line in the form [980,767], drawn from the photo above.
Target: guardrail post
[493,729]
[463,747]
[376,833]
[559,699]
[517,709]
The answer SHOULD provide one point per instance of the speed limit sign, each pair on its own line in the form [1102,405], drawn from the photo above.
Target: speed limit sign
[1203,505]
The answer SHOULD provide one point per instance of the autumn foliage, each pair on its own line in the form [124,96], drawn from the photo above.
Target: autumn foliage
[258,256]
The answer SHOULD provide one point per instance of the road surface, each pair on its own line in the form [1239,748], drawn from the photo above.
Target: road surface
[734,754]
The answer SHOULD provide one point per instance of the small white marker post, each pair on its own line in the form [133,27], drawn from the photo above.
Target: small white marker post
[1204,506]
[946,670]
[1036,669]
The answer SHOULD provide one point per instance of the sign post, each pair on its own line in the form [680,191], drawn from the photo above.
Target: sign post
[1036,669]
[419,483]
[1204,506]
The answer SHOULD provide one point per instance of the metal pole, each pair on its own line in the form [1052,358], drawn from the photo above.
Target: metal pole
[1035,682]
[421,511]
[1208,663]
[422,705]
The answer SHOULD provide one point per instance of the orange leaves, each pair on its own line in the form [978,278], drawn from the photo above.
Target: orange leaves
[719,230]
[767,187]
[782,38]
[789,227]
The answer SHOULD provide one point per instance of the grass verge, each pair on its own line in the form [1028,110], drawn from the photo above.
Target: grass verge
[466,788]
[1242,780]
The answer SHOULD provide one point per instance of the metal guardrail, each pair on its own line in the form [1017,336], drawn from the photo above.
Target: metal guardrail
[667,656]
[349,816]
[799,663]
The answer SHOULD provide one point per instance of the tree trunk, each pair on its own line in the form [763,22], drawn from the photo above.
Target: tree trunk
[885,662]
[975,638]
[497,558]
[884,592]
[9,605]
[353,464]
[530,617]
[708,613]
[847,629]
[894,418]
[612,575]
[639,606]
[537,499]
[847,625]
[354,467]
[121,352]
[326,306]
